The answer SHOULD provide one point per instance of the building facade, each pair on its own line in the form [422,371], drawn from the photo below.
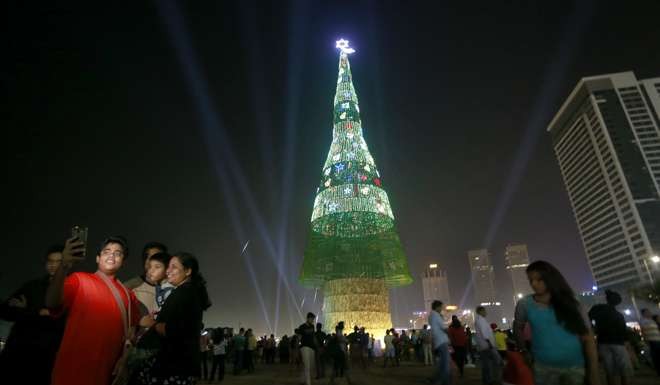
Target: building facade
[483,279]
[435,286]
[516,260]
[607,142]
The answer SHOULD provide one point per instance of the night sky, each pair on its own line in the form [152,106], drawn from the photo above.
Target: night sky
[205,126]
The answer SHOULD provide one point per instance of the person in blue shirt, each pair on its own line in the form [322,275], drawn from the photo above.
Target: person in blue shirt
[563,346]
[440,344]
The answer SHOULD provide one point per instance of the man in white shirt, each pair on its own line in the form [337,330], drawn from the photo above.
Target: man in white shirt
[490,359]
[651,334]
[440,344]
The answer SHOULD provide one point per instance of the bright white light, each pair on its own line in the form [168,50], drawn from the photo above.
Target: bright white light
[433,266]
[520,295]
[343,46]
[504,320]
[627,311]
[411,321]
[655,259]
[594,288]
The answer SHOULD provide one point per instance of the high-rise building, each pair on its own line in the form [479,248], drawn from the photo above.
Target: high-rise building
[435,286]
[483,278]
[516,260]
[607,142]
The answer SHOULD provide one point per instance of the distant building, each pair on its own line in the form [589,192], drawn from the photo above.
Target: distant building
[607,142]
[435,286]
[516,261]
[483,279]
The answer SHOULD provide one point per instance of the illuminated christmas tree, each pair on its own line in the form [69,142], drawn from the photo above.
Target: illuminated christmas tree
[353,252]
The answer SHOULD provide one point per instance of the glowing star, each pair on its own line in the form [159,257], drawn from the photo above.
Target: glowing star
[350,155]
[345,105]
[332,207]
[347,94]
[327,183]
[339,167]
[343,46]
[365,190]
[348,190]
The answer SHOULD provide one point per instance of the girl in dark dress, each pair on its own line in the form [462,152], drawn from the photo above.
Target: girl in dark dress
[179,325]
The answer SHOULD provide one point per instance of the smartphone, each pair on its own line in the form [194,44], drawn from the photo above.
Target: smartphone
[80,232]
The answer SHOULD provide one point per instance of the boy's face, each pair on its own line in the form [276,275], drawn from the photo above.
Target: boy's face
[156,271]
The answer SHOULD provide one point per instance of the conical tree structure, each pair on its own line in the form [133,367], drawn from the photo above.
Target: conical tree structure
[353,252]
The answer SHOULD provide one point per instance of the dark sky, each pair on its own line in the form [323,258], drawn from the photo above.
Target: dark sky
[205,126]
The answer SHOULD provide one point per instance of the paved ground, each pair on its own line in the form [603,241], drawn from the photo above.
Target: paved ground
[407,373]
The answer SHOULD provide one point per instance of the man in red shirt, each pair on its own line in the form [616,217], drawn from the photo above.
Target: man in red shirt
[94,335]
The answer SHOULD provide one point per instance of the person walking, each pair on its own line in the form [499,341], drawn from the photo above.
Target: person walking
[239,351]
[320,352]
[610,328]
[308,347]
[390,352]
[204,351]
[219,343]
[250,349]
[440,344]
[32,344]
[458,340]
[563,345]
[427,345]
[491,362]
[651,334]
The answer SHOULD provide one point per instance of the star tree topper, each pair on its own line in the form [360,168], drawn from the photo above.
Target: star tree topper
[343,46]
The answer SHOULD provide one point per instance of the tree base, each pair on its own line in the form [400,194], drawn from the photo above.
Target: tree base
[363,302]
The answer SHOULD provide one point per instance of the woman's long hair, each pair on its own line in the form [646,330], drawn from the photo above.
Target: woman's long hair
[562,297]
[455,323]
[189,261]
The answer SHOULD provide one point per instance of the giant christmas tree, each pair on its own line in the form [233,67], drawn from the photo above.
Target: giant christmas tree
[353,252]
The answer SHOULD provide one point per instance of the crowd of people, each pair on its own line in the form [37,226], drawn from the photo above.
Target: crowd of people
[89,328]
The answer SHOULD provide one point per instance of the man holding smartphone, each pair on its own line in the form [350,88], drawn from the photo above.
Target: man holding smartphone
[95,329]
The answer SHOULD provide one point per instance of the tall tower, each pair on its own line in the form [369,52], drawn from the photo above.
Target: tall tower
[435,286]
[607,142]
[516,260]
[483,278]
[353,252]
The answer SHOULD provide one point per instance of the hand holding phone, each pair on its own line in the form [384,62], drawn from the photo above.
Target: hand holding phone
[73,252]
[80,233]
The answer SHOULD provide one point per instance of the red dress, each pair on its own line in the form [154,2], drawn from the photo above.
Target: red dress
[94,334]
[457,336]
[516,371]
